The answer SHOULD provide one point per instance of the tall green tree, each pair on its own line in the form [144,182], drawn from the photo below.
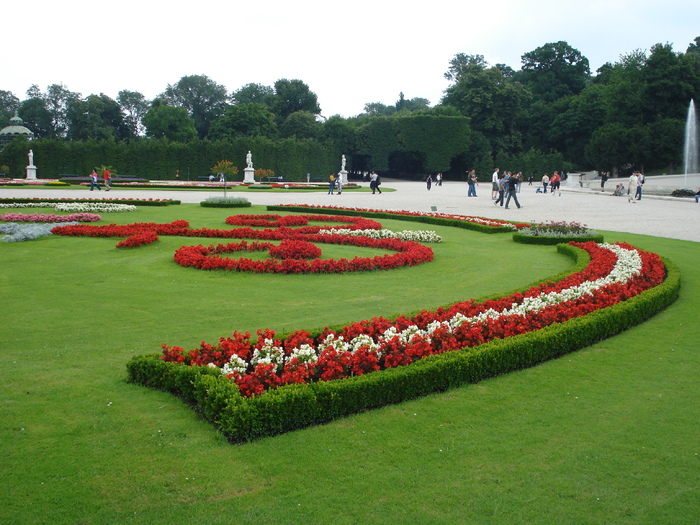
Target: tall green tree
[300,125]
[9,104]
[292,96]
[553,71]
[244,120]
[96,117]
[494,103]
[134,106]
[172,123]
[37,117]
[254,93]
[56,101]
[204,100]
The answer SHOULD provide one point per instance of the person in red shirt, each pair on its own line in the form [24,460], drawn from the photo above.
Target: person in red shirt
[107,177]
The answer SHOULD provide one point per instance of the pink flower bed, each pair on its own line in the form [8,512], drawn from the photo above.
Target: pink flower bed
[49,217]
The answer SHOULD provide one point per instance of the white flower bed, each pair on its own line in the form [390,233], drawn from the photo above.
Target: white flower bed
[87,207]
[628,264]
[405,235]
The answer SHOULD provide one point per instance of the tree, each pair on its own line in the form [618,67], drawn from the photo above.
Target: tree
[37,118]
[340,132]
[301,125]
[292,96]
[204,100]
[97,117]
[57,98]
[9,104]
[493,103]
[463,64]
[134,105]
[377,108]
[254,93]
[669,81]
[55,101]
[172,123]
[244,120]
[554,71]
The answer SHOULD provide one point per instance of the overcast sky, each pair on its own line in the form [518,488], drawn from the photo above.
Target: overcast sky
[349,54]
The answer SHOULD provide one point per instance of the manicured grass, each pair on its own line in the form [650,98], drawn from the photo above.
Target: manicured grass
[604,435]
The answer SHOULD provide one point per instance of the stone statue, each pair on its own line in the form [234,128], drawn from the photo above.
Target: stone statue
[342,163]
[31,158]
[249,159]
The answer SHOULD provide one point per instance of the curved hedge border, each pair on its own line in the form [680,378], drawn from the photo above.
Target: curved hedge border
[292,407]
[543,239]
[427,219]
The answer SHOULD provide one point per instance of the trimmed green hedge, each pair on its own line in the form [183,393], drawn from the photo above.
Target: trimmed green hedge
[543,239]
[206,204]
[293,407]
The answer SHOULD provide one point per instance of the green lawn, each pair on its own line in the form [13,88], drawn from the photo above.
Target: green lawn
[605,435]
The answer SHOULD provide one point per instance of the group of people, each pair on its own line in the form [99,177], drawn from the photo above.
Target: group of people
[429,180]
[506,186]
[94,180]
[553,183]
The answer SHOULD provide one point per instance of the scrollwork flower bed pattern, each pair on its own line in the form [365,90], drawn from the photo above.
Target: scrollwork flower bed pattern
[250,388]
[294,256]
[616,273]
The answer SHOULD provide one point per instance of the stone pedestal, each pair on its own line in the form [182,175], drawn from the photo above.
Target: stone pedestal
[343,176]
[249,176]
[31,172]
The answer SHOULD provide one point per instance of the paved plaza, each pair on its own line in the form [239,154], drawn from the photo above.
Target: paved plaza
[658,216]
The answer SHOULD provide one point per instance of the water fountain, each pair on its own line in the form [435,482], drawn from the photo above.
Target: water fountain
[691,163]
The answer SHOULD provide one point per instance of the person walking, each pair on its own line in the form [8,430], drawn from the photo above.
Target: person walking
[545,182]
[640,183]
[374,182]
[108,179]
[494,183]
[429,181]
[331,183]
[93,181]
[472,181]
[438,179]
[501,190]
[603,180]
[555,182]
[632,187]
[512,183]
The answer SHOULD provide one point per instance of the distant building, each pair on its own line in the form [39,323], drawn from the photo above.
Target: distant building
[14,130]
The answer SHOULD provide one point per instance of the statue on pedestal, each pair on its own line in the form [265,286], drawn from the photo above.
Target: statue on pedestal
[31,158]
[249,159]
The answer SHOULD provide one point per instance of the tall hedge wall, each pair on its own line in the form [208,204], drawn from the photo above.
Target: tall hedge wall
[159,159]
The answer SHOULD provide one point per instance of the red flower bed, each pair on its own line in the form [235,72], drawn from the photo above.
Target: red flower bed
[375,347]
[466,218]
[299,243]
[207,258]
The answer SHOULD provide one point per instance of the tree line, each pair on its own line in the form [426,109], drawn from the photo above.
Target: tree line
[552,110]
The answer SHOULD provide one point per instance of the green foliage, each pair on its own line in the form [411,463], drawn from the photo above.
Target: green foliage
[225,202]
[298,406]
[202,98]
[244,120]
[300,125]
[169,122]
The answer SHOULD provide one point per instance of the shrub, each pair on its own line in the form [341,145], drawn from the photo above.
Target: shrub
[225,202]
